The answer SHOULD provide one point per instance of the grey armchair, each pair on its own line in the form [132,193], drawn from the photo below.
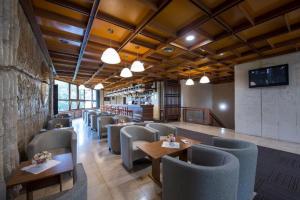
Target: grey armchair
[213,175]
[56,141]
[131,137]
[89,113]
[246,152]
[79,189]
[113,136]
[122,119]
[93,119]
[102,121]
[2,190]
[53,123]
[163,129]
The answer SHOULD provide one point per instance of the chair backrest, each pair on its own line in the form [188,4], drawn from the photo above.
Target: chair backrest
[79,189]
[2,190]
[104,120]
[122,119]
[246,152]
[163,129]
[65,122]
[52,139]
[139,132]
[206,178]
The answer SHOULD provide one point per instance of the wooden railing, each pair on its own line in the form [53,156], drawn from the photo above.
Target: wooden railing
[200,116]
[118,110]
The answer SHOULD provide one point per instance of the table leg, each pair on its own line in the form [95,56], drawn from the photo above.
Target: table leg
[183,156]
[29,195]
[156,170]
[60,182]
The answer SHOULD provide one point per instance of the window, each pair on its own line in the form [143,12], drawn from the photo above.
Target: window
[73,91]
[74,105]
[71,97]
[63,95]
[81,94]
[88,94]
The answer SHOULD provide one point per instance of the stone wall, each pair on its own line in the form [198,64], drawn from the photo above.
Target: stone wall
[24,86]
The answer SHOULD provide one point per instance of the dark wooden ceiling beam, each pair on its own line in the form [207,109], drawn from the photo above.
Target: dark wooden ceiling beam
[137,31]
[86,36]
[58,17]
[145,23]
[265,36]
[223,24]
[203,19]
[107,18]
[259,20]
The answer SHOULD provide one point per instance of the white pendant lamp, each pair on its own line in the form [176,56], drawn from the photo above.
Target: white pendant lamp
[81,87]
[126,73]
[110,55]
[137,66]
[204,79]
[99,86]
[189,82]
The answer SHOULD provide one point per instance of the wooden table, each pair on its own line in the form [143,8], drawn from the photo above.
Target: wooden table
[155,152]
[46,178]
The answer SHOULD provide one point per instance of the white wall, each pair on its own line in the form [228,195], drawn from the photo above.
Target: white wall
[272,112]
[223,103]
[197,96]
[211,96]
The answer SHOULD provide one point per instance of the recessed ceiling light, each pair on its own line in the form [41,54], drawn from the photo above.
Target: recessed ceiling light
[189,37]
[221,54]
[168,49]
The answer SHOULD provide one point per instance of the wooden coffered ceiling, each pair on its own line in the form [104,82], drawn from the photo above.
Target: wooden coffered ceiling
[226,32]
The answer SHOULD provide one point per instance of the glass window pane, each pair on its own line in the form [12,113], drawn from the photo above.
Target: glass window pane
[94,104]
[88,104]
[81,104]
[73,105]
[88,94]
[63,89]
[63,105]
[81,94]
[73,91]
[94,95]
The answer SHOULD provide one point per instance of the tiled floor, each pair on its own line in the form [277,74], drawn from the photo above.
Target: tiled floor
[107,179]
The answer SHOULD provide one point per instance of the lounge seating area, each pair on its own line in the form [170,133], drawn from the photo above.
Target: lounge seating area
[149,100]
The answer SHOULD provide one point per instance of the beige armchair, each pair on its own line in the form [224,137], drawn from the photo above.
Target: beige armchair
[56,141]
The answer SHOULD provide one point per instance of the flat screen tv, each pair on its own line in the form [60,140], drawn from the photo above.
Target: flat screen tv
[269,76]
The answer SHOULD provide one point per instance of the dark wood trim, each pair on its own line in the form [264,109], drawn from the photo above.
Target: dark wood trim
[86,35]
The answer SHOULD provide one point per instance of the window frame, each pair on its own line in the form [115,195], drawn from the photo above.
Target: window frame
[78,100]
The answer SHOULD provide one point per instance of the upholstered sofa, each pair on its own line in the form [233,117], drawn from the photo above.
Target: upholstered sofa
[131,137]
[56,141]
[212,175]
